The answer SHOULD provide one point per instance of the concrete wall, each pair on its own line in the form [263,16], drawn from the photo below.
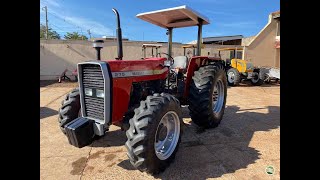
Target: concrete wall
[58,55]
[261,50]
[247,40]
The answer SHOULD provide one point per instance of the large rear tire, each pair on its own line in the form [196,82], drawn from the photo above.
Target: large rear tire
[207,95]
[256,81]
[70,108]
[233,77]
[154,133]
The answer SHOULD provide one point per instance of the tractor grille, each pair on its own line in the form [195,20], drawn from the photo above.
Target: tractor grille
[92,78]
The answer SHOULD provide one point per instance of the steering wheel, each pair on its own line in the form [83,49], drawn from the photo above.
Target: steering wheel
[169,57]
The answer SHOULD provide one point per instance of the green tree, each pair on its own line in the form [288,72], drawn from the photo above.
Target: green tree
[75,36]
[51,34]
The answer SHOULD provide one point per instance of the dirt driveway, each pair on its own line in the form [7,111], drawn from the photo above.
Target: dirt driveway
[242,147]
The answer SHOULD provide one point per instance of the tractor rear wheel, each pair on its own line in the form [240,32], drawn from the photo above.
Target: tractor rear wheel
[154,133]
[256,81]
[207,95]
[233,76]
[70,109]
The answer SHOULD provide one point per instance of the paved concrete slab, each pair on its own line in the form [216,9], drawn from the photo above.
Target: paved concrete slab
[244,144]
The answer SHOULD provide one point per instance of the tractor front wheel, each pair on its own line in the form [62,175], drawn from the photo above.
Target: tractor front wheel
[207,95]
[233,77]
[154,133]
[70,109]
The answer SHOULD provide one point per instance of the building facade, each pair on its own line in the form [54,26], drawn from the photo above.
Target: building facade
[264,48]
[56,56]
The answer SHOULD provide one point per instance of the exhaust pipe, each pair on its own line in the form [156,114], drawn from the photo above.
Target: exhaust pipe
[119,35]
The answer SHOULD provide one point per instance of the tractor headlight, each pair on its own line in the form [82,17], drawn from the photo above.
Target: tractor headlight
[167,63]
[88,92]
[100,93]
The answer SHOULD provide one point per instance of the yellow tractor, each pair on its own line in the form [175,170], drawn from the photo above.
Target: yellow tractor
[238,69]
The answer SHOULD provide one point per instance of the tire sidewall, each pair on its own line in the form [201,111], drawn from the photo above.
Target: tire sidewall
[69,110]
[155,161]
[220,74]
[236,74]
[228,72]
[256,81]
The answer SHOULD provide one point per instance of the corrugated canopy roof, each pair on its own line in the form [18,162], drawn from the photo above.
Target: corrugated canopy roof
[176,17]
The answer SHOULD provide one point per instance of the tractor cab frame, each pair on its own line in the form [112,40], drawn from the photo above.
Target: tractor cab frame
[235,53]
[177,17]
[190,46]
[152,46]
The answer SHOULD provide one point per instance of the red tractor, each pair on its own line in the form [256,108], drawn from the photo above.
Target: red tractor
[144,97]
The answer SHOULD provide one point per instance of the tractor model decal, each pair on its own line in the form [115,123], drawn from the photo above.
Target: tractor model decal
[121,74]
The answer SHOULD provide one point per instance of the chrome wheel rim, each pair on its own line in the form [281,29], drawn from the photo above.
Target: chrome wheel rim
[167,135]
[231,77]
[218,97]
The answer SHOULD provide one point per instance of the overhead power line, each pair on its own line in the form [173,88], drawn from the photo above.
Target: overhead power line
[73,28]
[66,21]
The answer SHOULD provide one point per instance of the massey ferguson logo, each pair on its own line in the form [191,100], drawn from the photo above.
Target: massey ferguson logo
[137,73]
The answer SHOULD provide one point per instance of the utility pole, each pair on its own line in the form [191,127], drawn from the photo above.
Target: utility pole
[89,33]
[47,29]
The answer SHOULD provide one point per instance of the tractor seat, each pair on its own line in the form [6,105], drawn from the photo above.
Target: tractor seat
[180,62]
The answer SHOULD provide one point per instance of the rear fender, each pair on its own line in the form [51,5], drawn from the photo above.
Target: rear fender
[194,64]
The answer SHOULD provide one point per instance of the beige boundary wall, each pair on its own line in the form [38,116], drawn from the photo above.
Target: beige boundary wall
[58,55]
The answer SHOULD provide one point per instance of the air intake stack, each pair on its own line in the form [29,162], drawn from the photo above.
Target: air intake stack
[119,35]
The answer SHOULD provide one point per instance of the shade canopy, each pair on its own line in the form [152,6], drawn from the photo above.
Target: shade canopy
[151,45]
[192,46]
[176,17]
[230,49]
